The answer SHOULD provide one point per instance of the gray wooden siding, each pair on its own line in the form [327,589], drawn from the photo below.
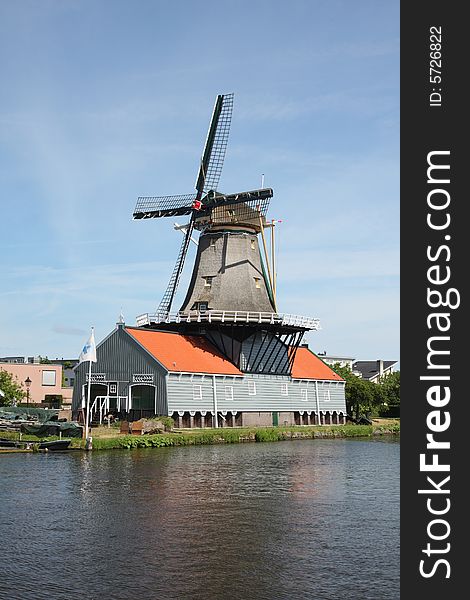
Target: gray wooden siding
[182,389]
[253,393]
[119,356]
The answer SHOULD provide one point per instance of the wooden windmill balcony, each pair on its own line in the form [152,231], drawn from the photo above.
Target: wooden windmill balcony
[227,316]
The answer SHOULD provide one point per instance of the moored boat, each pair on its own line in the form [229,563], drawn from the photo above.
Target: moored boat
[54,445]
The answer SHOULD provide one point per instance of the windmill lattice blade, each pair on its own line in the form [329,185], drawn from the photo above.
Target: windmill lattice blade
[216,144]
[165,303]
[219,147]
[149,207]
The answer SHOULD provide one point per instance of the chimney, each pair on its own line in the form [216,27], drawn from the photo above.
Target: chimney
[380,367]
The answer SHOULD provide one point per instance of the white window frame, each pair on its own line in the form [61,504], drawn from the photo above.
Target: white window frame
[229,392]
[49,371]
[326,396]
[252,388]
[304,394]
[197,392]
[284,389]
[208,280]
[257,282]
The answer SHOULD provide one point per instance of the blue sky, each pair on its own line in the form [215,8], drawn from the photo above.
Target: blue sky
[103,101]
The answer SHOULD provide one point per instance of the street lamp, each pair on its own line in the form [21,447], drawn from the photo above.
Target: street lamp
[27,382]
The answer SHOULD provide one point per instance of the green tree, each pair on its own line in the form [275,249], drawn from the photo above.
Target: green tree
[361,395]
[390,395]
[11,389]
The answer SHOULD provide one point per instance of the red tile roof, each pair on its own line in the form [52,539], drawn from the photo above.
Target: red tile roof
[308,366]
[194,354]
[183,353]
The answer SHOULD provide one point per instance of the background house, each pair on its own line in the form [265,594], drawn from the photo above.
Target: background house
[332,359]
[373,370]
[46,384]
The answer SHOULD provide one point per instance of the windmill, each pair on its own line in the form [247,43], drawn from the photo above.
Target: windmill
[231,295]
[206,205]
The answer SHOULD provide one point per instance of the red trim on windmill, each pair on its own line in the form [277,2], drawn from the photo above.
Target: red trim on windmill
[197,205]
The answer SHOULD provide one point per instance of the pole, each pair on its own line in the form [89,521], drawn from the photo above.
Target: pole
[214,389]
[318,404]
[267,257]
[273,258]
[87,416]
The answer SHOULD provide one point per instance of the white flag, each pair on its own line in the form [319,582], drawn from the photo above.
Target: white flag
[89,350]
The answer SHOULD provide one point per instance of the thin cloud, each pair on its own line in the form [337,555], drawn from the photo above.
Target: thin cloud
[65,330]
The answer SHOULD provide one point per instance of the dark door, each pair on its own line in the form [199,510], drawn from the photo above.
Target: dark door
[143,401]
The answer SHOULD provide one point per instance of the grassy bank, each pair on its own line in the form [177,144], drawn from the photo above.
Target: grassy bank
[108,438]
[239,435]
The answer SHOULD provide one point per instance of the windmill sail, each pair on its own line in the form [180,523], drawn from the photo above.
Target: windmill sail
[167,300]
[149,207]
[216,144]
[208,179]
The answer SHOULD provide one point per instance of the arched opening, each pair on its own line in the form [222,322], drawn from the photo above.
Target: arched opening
[209,419]
[297,420]
[186,420]
[327,418]
[197,419]
[142,402]
[177,419]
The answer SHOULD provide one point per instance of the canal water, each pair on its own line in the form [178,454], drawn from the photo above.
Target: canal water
[296,520]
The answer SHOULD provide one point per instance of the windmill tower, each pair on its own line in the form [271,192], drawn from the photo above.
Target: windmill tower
[231,295]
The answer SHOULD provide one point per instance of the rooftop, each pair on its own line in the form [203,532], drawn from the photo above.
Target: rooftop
[194,354]
[308,366]
[371,368]
[183,353]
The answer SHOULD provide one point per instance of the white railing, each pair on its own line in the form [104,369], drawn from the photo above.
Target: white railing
[228,316]
[101,405]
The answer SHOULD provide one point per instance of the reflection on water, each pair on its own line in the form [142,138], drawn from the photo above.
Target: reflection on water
[309,519]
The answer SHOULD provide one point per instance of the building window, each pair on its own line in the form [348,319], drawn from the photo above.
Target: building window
[257,282]
[208,281]
[212,241]
[253,247]
[251,388]
[326,396]
[284,389]
[228,392]
[48,377]
[197,392]
[304,394]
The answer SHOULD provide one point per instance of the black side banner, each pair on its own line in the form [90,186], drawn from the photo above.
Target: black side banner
[434,291]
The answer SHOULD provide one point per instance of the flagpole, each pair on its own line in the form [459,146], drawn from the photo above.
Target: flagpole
[87,416]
